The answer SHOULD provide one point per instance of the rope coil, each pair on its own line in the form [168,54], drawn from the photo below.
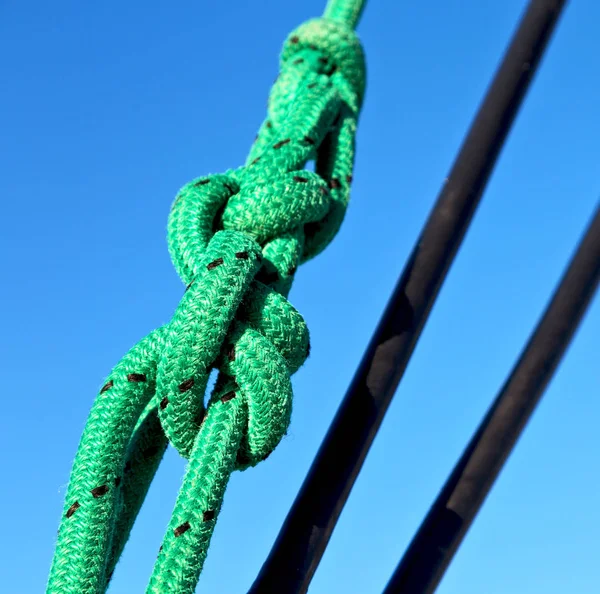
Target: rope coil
[236,241]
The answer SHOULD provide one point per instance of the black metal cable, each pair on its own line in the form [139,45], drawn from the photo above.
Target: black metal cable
[439,536]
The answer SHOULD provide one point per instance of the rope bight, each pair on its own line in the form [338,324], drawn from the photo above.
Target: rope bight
[236,240]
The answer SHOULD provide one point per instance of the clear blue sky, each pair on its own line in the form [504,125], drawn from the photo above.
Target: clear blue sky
[109,107]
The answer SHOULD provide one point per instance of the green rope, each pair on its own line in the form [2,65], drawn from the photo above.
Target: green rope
[346,12]
[236,240]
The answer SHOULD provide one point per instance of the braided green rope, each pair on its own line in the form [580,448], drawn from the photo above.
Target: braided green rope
[236,240]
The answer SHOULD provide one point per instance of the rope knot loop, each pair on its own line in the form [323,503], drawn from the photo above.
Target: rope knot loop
[276,199]
[340,50]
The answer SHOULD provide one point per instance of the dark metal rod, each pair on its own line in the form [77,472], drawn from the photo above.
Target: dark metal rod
[312,518]
[439,536]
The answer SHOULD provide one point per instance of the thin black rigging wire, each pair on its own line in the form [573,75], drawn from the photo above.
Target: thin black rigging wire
[443,529]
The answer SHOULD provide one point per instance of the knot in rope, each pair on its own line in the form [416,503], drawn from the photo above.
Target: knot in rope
[312,115]
[229,320]
[337,50]
[271,207]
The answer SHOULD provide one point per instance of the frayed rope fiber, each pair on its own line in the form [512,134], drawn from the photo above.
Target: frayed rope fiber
[236,240]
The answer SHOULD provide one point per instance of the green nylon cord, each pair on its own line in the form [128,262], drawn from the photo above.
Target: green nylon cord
[236,240]
[346,12]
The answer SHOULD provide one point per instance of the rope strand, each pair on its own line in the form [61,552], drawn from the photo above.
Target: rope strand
[347,12]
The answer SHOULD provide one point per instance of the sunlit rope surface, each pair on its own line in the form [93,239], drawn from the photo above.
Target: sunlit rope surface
[236,241]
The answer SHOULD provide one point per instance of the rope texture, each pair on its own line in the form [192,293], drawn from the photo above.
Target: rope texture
[236,240]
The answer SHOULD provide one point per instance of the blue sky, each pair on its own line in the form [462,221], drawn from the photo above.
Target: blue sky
[109,108]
